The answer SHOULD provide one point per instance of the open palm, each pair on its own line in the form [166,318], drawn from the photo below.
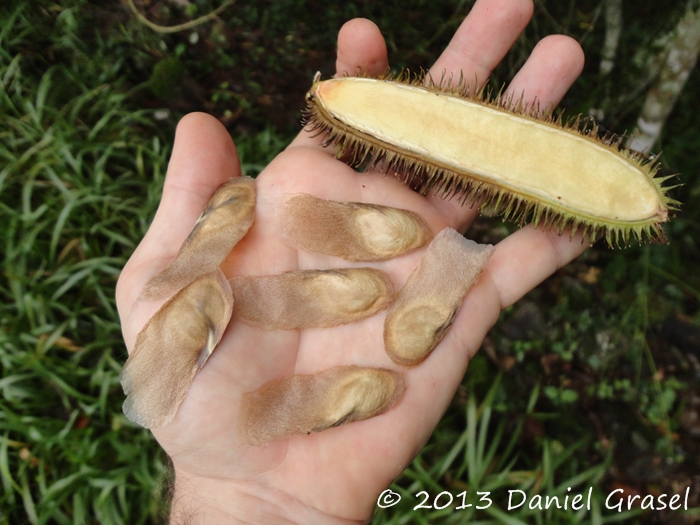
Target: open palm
[335,475]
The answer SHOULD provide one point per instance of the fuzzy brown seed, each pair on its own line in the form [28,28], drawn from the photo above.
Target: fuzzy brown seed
[311,298]
[226,219]
[302,404]
[172,347]
[354,231]
[427,304]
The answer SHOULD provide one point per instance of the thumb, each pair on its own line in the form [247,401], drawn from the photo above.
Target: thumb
[204,156]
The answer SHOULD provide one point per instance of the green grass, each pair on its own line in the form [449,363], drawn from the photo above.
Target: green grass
[76,157]
[574,387]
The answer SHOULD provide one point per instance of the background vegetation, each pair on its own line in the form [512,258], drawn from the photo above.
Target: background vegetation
[591,381]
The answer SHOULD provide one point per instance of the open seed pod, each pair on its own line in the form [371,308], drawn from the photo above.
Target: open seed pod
[311,298]
[454,140]
[173,347]
[354,231]
[302,404]
[427,304]
[226,219]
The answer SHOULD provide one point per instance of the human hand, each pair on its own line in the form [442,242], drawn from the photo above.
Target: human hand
[336,475]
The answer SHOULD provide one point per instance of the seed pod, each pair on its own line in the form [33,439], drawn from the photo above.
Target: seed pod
[354,231]
[311,298]
[302,404]
[172,347]
[428,302]
[226,219]
[457,141]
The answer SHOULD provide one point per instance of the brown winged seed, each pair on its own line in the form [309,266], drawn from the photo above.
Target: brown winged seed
[226,219]
[302,404]
[353,231]
[428,302]
[172,347]
[311,298]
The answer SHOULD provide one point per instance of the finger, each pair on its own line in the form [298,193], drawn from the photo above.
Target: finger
[518,264]
[203,157]
[480,43]
[483,39]
[553,66]
[361,47]
[527,257]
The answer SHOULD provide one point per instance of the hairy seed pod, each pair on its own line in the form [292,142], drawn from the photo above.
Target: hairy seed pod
[456,141]
[311,298]
[354,231]
[302,404]
[172,347]
[427,304]
[226,219]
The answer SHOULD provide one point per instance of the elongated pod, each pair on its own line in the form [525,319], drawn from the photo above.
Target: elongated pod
[172,347]
[226,219]
[354,231]
[430,299]
[311,298]
[457,142]
[302,404]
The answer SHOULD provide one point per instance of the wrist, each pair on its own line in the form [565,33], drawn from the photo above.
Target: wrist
[198,500]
